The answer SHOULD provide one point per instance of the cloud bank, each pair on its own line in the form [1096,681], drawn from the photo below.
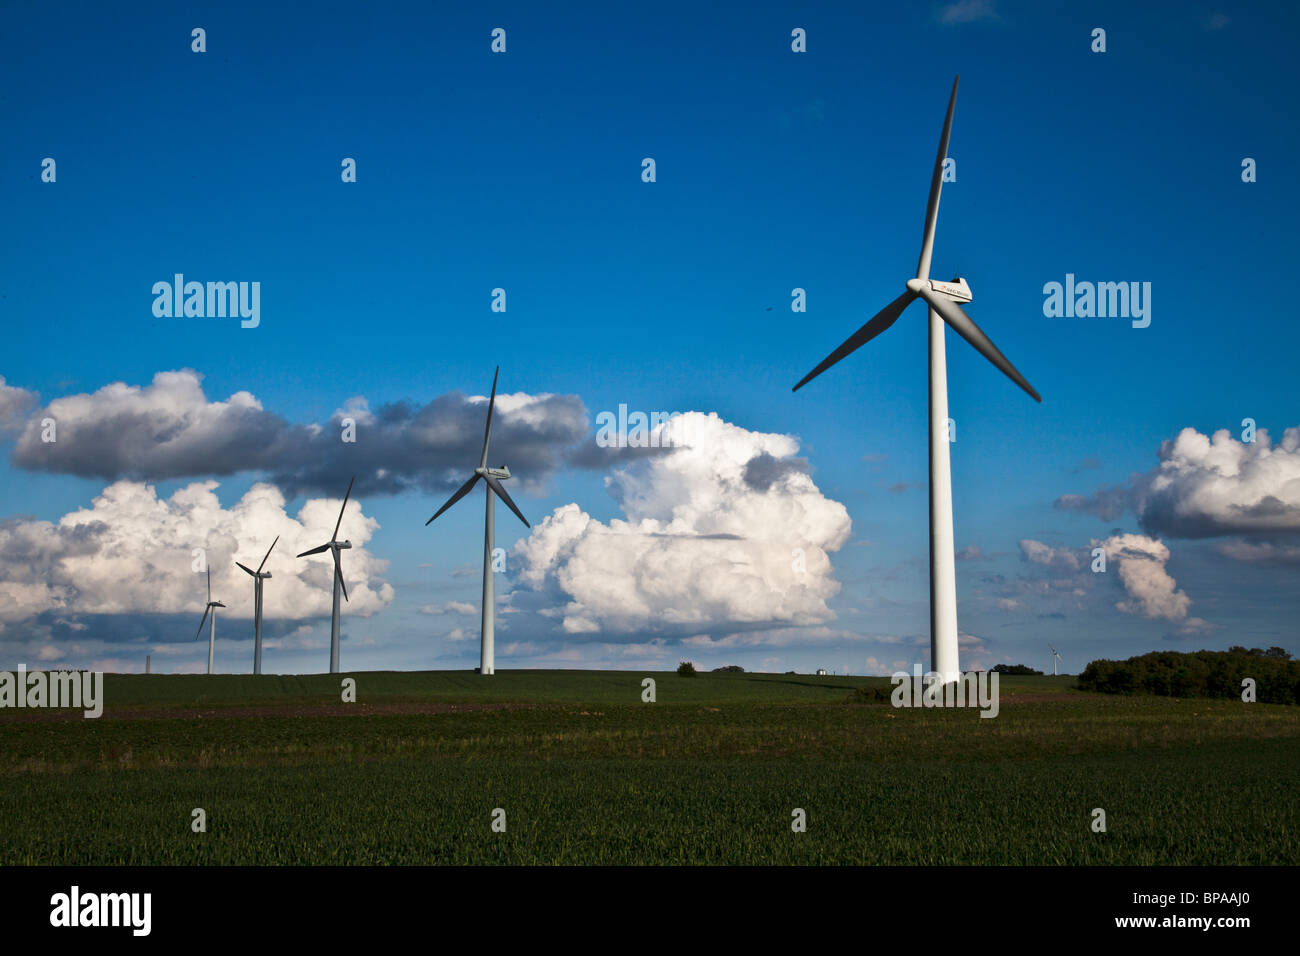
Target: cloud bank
[170,429]
[132,552]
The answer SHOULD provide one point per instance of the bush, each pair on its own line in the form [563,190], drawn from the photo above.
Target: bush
[686,669]
[1019,669]
[1199,674]
[729,669]
[871,695]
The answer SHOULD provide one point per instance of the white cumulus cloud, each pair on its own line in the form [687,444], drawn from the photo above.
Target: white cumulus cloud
[15,404]
[132,552]
[1037,552]
[727,531]
[1152,591]
[450,607]
[1210,485]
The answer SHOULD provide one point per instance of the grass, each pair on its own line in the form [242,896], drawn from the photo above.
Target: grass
[587,773]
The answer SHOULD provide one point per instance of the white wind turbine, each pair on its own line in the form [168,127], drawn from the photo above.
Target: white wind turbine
[943,299]
[1055,657]
[334,545]
[492,478]
[258,577]
[212,625]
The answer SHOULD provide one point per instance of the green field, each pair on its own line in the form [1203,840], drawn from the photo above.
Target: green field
[587,773]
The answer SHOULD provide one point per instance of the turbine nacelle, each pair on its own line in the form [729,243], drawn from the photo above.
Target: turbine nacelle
[503,472]
[955,291]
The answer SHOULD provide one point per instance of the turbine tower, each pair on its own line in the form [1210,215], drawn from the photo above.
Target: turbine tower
[492,478]
[1055,657]
[335,546]
[944,300]
[258,577]
[212,625]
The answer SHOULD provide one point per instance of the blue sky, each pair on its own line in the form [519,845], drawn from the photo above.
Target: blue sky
[775,170]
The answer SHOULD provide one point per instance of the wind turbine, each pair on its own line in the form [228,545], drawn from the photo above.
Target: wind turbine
[334,545]
[1055,657]
[212,626]
[943,298]
[258,577]
[492,478]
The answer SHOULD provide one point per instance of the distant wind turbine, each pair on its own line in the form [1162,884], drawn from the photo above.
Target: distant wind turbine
[1055,657]
[212,625]
[492,478]
[334,545]
[258,577]
[943,299]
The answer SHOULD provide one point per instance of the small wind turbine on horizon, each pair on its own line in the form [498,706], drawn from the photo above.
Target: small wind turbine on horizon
[258,577]
[1055,657]
[212,625]
[334,545]
[943,299]
[492,478]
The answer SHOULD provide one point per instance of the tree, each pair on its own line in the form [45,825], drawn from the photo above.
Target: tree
[1018,669]
[1199,674]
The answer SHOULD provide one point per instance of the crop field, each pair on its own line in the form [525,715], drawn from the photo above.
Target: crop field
[586,773]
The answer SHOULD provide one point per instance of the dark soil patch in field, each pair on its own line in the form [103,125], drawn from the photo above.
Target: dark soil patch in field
[45,715]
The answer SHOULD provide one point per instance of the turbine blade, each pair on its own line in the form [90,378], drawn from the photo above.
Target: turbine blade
[323,547]
[487,432]
[202,622]
[338,570]
[501,493]
[246,568]
[877,324]
[460,493]
[209,570]
[335,535]
[954,315]
[268,553]
[936,184]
